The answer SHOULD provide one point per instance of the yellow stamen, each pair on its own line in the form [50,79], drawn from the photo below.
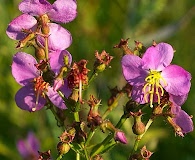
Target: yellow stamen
[153,86]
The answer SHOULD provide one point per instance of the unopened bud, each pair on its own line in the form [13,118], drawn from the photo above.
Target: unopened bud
[40,53]
[120,136]
[63,148]
[100,68]
[107,125]
[44,20]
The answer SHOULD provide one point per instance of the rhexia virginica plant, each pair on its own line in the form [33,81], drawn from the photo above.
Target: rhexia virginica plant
[50,80]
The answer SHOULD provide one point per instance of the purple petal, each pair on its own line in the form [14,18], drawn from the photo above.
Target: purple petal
[35,7]
[23,69]
[58,82]
[177,79]
[65,89]
[158,57]
[33,142]
[182,119]
[22,148]
[24,21]
[55,98]
[25,99]
[59,38]
[132,70]
[56,59]
[178,100]
[137,94]
[63,11]
[29,147]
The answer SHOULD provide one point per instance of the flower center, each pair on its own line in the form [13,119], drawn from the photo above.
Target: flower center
[153,87]
[40,87]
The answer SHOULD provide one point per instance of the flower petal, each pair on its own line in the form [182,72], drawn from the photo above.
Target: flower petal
[65,89]
[132,70]
[59,38]
[63,11]
[177,79]
[23,69]
[23,150]
[56,59]
[33,143]
[55,98]
[24,21]
[137,94]
[182,119]
[25,99]
[158,57]
[28,147]
[35,7]
[178,100]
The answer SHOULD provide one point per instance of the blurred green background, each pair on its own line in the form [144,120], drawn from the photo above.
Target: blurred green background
[99,26]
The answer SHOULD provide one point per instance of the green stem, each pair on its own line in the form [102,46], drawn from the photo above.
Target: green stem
[59,157]
[109,137]
[112,106]
[86,153]
[77,156]
[46,49]
[139,137]
[90,135]
[94,74]
[76,116]
[51,107]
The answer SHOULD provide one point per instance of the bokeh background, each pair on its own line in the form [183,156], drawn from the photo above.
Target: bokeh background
[99,26]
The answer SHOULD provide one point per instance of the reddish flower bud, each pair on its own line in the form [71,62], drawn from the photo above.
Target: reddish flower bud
[120,136]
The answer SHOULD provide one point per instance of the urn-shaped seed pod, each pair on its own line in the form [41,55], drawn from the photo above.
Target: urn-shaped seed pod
[138,126]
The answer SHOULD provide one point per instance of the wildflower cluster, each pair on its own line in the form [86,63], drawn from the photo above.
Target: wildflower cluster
[49,79]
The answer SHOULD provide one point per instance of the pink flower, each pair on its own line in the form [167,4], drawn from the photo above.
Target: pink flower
[35,89]
[60,11]
[153,73]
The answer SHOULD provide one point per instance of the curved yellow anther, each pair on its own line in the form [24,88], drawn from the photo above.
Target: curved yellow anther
[153,86]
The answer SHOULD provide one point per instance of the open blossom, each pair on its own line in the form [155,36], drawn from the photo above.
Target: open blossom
[29,147]
[26,24]
[32,95]
[154,73]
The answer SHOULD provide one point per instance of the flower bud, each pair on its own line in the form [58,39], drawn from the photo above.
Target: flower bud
[40,53]
[107,125]
[100,68]
[138,126]
[63,148]
[120,136]
[44,20]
